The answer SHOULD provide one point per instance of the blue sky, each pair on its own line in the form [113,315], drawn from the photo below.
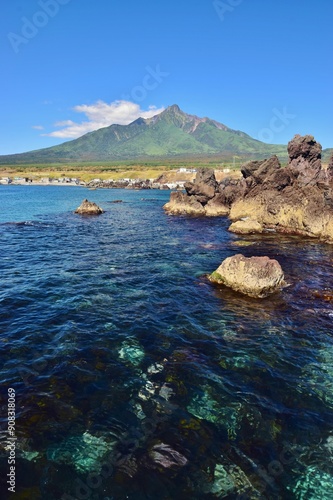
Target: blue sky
[71,66]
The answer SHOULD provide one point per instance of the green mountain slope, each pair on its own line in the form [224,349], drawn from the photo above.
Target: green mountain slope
[169,134]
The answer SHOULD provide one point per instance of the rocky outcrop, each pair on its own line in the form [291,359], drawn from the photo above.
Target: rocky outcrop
[202,197]
[88,208]
[260,171]
[254,276]
[204,187]
[181,203]
[295,199]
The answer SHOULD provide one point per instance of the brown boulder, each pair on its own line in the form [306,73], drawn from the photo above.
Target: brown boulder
[255,276]
[88,208]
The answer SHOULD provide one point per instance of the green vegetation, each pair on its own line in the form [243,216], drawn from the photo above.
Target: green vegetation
[173,136]
[145,149]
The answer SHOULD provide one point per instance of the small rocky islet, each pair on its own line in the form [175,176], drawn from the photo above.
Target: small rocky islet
[89,208]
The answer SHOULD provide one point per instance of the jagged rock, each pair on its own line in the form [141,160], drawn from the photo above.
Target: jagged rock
[247,226]
[200,197]
[232,189]
[88,208]
[297,199]
[203,187]
[305,158]
[280,179]
[260,170]
[254,276]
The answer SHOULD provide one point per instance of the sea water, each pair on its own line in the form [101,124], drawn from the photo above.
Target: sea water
[137,378]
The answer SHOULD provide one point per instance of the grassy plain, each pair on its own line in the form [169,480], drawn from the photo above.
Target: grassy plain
[87,172]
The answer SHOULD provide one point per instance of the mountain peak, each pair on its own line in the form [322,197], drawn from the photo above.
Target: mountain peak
[174,107]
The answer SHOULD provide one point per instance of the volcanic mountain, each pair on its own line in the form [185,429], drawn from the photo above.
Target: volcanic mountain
[169,134]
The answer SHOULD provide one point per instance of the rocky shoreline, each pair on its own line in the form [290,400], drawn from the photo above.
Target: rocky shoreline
[136,184]
[297,199]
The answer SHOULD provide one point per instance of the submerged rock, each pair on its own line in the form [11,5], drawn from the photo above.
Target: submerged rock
[315,483]
[254,276]
[162,454]
[84,452]
[88,208]
[131,353]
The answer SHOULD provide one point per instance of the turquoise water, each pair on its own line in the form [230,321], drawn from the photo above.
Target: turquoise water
[137,378]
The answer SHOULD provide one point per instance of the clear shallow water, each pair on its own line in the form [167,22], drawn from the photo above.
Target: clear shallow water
[137,378]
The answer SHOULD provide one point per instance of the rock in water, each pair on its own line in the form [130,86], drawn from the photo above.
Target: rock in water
[255,276]
[88,208]
[247,226]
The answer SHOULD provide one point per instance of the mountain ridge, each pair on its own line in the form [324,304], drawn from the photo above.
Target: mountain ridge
[172,133]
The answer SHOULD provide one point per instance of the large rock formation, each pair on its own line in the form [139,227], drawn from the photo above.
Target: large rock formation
[296,199]
[88,208]
[254,276]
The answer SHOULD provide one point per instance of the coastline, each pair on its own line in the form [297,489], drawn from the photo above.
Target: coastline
[42,184]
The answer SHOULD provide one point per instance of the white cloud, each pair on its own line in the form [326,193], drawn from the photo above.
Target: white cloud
[102,114]
[38,127]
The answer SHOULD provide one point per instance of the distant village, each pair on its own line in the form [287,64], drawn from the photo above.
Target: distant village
[125,183]
[100,183]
